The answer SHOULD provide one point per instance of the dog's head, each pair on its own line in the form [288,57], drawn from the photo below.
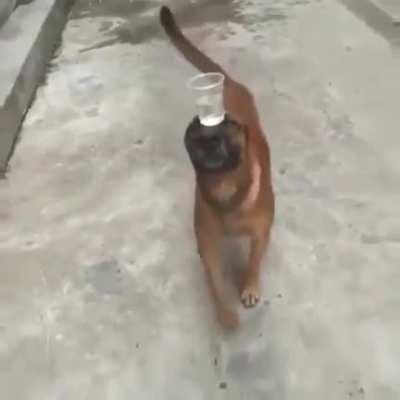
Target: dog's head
[215,148]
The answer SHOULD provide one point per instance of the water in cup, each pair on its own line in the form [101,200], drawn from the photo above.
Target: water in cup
[210,108]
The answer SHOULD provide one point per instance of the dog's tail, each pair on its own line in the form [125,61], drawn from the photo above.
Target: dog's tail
[238,100]
[188,50]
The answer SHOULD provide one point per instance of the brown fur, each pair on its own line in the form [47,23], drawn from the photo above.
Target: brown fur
[237,202]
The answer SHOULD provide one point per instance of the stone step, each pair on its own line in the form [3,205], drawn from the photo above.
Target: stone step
[27,41]
[389,7]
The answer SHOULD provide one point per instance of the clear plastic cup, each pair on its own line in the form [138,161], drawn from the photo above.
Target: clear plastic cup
[209,91]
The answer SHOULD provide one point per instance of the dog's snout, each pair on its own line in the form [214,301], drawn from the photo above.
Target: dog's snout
[217,146]
[214,141]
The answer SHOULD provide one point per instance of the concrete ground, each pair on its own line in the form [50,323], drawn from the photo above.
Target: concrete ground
[101,292]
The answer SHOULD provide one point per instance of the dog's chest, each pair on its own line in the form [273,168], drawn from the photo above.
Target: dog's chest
[223,192]
[235,224]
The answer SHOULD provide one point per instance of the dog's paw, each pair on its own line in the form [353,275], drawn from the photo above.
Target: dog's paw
[228,318]
[250,295]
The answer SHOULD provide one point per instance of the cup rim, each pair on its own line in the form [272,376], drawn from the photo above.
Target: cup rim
[190,83]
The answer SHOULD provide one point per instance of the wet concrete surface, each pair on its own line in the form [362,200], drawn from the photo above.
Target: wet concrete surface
[191,14]
[102,294]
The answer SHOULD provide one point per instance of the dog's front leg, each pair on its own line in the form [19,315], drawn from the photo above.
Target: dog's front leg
[209,241]
[250,295]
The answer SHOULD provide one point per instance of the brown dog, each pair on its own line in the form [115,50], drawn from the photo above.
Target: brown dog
[234,194]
